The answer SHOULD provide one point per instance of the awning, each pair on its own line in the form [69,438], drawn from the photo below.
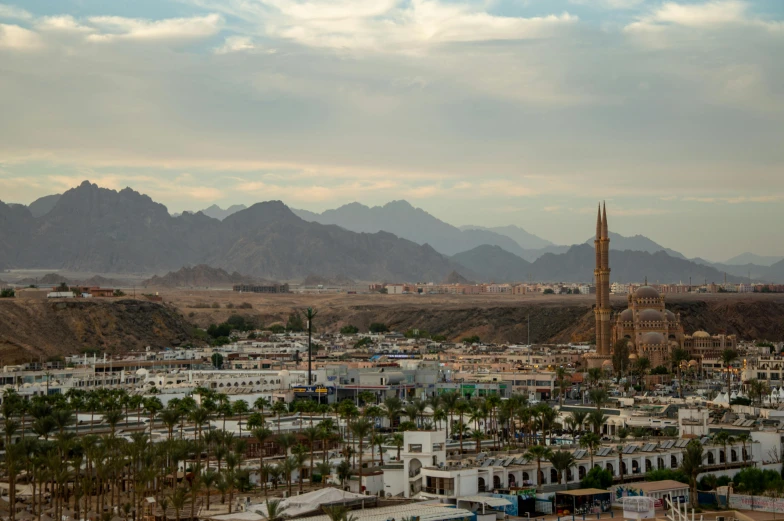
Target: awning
[489,501]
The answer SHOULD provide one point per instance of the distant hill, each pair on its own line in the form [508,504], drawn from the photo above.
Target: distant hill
[407,222]
[494,264]
[201,276]
[526,240]
[637,243]
[93,229]
[577,264]
[216,212]
[318,280]
[455,278]
[43,205]
[751,258]
[50,279]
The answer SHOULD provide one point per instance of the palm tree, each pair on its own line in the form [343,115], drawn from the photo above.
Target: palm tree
[678,356]
[576,420]
[744,439]
[262,434]
[339,513]
[597,419]
[397,441]
[275,510]
[560,377]
[178,499]
[599,397]
[260,404]
[538,453]
[692,467]
[449,401]
[239,408]
[561,461]
[209,478]
[460,429]
[724,438]
[641,366]
[594,376]
[324,469]
[478,436]
[299,453]
[591,441]
[360,429]
[377,440]
[279,408]
[727,357]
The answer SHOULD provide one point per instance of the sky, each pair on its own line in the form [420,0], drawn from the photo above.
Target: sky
[485,112]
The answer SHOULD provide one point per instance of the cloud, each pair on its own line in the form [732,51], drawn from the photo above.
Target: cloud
[66,23]
[235,44]
[386,25]
[18,38]
[14,13]
[121,28]
[707,15]
[608,4]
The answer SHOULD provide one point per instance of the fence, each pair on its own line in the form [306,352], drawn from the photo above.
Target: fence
[761,503]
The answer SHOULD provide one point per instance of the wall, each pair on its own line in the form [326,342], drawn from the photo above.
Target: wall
[765,504]
[394,481]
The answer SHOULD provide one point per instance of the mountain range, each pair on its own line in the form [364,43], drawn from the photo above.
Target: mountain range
[99,230]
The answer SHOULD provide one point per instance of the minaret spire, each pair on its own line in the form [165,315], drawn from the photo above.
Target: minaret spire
[599,222]
[605,233]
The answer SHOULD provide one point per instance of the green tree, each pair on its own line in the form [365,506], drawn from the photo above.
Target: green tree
[349,330]
[295,323]
[727,357]
[217,360]
[692,467]
[7,293]
[591,442]
[620,357]
[664,474]
[538,453]
[379,327]
[597,477]
[275,510]
[678,357]
[561,460]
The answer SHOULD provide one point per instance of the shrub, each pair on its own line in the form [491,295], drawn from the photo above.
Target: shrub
[7,293]
[349,330]
[229,306]
[597,477]
[215,305]
[245,305]
[277,329]
[378,327]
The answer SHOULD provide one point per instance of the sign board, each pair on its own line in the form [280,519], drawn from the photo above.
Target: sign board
[313,389]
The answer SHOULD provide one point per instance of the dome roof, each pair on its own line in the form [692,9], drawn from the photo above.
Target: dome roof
[633,356]
[693,363]
[652,338]
[670,315]
[627,315]
[651,315]
[700,334]
[646,292]
[606,363]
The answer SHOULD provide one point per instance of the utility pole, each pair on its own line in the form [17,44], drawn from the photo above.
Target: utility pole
[310,315]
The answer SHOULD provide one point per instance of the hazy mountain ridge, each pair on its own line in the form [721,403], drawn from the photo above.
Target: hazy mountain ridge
[749,258]
[408,222]
[200,275]
[526,240]
[92,229]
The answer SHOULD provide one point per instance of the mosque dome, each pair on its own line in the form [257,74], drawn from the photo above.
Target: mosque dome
[633,357]
[670,315]
[652,338]
[693,363]
[651,315]
[646,292]
[700,334]
[627,315]
[607,363]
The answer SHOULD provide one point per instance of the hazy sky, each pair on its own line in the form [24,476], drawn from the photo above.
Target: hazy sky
[482,112]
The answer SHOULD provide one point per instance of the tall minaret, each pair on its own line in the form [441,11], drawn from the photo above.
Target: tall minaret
[602,276]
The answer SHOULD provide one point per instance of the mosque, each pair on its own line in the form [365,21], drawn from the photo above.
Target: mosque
[652,331]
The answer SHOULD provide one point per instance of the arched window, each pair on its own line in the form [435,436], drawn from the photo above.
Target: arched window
[481,484]
[553,476]
[580,472]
